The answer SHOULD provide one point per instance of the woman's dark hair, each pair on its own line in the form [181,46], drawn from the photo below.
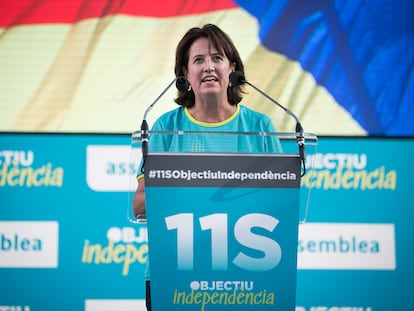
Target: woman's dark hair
[224,45]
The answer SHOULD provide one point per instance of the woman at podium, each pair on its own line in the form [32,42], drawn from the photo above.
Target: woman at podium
[206,57]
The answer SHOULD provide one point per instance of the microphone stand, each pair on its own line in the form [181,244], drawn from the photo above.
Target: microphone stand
[144,126]
[182,85]
[238,78]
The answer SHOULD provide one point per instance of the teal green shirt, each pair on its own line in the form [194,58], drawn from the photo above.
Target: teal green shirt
[244,120]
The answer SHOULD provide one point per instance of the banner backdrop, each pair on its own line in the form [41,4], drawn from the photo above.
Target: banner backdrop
[66,242]
[344,67]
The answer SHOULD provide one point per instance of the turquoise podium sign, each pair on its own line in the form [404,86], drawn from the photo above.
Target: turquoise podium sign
[223,231]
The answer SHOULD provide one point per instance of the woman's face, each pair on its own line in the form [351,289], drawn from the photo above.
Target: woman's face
[208,71]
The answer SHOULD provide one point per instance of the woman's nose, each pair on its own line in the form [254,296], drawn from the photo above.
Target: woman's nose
[209,65]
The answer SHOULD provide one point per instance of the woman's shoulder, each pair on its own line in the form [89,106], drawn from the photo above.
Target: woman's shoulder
[171,114]
[252,114]
[257,119]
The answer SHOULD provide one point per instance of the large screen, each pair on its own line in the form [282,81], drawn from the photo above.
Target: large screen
[343,67]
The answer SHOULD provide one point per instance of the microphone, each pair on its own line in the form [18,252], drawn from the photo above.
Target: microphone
[182,85]
[237,78]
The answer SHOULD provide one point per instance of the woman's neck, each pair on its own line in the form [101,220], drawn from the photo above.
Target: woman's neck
[212,113]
